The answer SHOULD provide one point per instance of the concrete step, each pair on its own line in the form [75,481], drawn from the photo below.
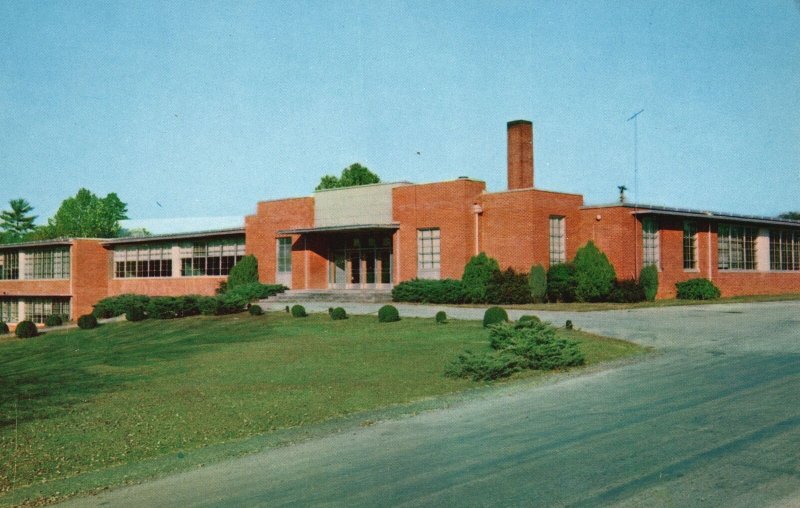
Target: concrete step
[334,295]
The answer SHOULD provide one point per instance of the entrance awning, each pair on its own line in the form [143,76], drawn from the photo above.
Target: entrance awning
[354,228]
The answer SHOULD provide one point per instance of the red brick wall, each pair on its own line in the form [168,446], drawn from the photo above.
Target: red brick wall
[618,234]
[444,205]
[91,269]
[520,154]
[515,226]
[261,231]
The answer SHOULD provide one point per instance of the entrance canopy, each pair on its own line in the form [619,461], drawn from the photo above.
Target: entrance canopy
[354,228]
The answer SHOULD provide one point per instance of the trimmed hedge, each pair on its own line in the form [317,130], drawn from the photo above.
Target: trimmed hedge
[494,315]
[299,311]
[627,291]
[388,314]
[118,305]
[430,291]
[87,322]
[561,283]
[338,314]
[441,317]
[3,328]
[135,314]
[648,278]
[26,329]
[256,291]
[508,287]
[53,320]
[697,289]
[537,281]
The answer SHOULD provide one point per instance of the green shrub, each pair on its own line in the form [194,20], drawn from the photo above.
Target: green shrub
[648,278]
[508,287]
[697,289]
[188,305]
[477,274]
[209,305]
[255,310]
[388,314]
[533,347]
[561,283]
[231,303]
[87,322]
[441,317]
[429,291]
[494,315]
[527,321]
[162,307]
[26,329]
[594,274]
[256,291]
[626,291]
[338,314]
[118,305]
[222,287]
[3,328]
[244,272]
[53,320]
[135,314]
[298,311]
[537,281]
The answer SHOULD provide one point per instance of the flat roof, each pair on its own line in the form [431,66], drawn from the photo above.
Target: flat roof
[177,236]
[42,243]
[700,214]
[338,229]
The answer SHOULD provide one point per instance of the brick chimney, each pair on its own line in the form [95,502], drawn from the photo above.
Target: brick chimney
[520,154]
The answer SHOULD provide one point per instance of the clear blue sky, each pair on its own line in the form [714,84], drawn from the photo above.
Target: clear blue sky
[208,108]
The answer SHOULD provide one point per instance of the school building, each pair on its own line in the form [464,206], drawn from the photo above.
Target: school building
[371,237]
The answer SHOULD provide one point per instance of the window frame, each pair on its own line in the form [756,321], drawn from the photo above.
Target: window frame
[216,256]
[784,250]
[558,239]
[651,243]
[736,248]
[48,264]
[429,253]
[690,246]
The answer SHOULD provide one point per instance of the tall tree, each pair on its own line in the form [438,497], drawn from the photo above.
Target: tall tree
[16,223]
[355,174]
[87,216]
[790,215]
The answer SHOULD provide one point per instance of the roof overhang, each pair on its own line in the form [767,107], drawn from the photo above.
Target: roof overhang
[178,236]
[40,243]
[719,217]
[352,228]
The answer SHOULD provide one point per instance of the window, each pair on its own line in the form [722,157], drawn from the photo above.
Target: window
[650,242]
[38,309]
[143,261]
[284,255]
[736,247]
[689,245]
[428,257]
[784,250]
[9,266]
[215,257]
[47,264]
[557,241]
[9,310]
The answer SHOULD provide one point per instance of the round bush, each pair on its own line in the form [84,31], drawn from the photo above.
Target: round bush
[26,329]
[87,322]
[298,311]
[441,317]
[338,313]
[697,289]
[53,320]
[3,328]
[529,318]
[388,314]
[255,310]
[135,314]
[494,315]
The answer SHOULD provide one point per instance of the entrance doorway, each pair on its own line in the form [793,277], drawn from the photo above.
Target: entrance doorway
[361,262]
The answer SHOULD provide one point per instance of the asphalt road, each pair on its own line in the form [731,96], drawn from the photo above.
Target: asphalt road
[713,421]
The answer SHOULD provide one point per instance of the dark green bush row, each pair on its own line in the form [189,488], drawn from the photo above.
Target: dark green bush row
[515,348]
[697,289]
[627,291]
[430,291]
[508,287]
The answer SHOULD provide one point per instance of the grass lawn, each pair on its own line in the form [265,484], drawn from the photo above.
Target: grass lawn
[77,401]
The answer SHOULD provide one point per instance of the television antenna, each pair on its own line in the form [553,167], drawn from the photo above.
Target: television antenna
[635,118]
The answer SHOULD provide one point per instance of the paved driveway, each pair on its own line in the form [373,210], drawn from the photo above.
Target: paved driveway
[714,420]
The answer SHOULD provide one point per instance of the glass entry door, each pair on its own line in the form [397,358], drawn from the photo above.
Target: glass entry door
[361,262]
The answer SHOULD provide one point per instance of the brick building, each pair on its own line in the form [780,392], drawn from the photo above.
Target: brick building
[374,236]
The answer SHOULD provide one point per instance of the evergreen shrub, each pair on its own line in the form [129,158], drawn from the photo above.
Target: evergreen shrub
[135,314]
[594,275]
[697,289]
[209,305]
[26,329]
[118,305]
[429,291]
[231,303]
[338,314]
[388,314]
[255,310]
[477,274]
[299,311]
[53,320]
[162,307]
[627,291]
[527,321]
[87,322]
[441,317]
[648,278]
[561,283]
[508,287]
[243,272]
[256,291]
[537,280]
[3,328]
[494,315]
